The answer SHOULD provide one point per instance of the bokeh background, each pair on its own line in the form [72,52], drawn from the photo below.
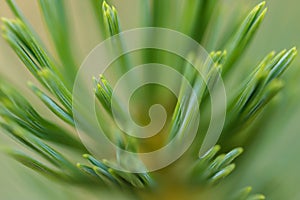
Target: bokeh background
[270,164]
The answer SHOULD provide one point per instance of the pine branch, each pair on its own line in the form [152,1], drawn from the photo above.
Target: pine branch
[240,40]
[54,13]
[38,134]
[260,87]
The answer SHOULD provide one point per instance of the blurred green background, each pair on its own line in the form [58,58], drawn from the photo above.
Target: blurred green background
[270,164]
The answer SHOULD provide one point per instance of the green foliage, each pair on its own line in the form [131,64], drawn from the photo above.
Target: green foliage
[62,169]
[243,35]
[16,111]
[111,21]
[54,13]
[259,88]
[244,194]
[40,135]
[103,92]
[111,177]
[209,169]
